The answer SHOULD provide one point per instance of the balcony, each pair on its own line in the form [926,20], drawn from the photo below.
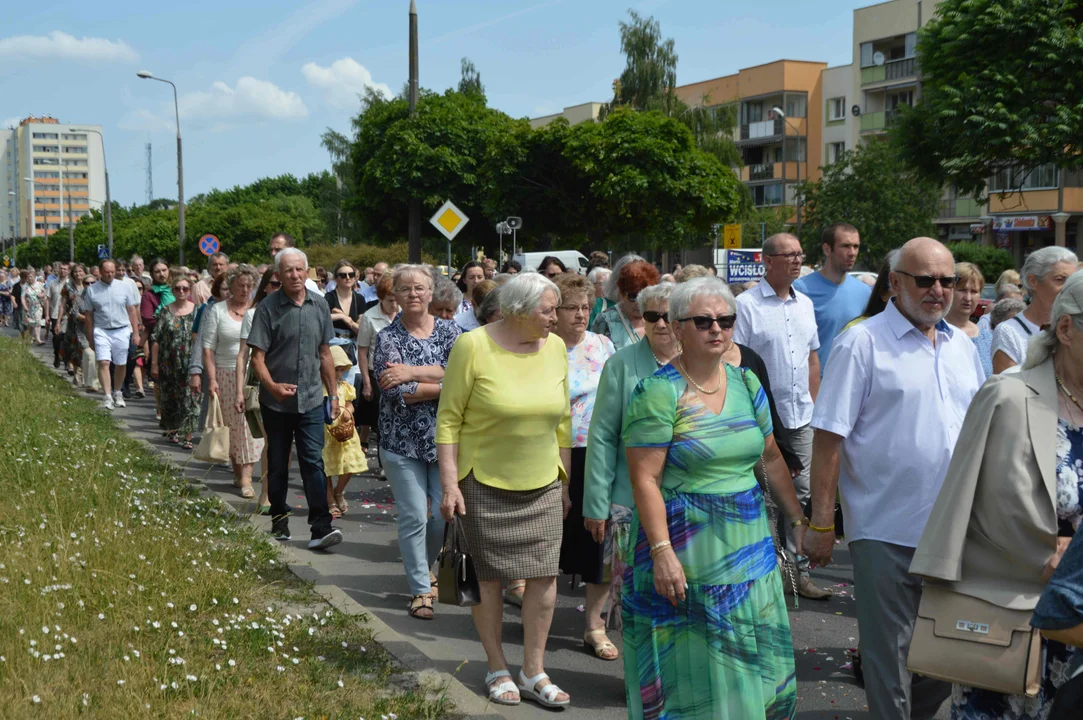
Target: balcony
[878,121]
[762,129]
[764,171]
[962,207]
[892,70]
[759,172]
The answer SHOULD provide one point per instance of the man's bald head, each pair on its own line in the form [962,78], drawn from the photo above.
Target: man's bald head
[923,278]
[920,250]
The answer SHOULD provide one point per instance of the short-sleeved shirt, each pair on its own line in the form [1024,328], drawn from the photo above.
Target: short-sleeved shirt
[52,291]
[705,453]
[835,306]
[291,336]
[1012,337]
[585,362]
[372,322]
[783,333]
[110,303]
[898,401]
[222,335]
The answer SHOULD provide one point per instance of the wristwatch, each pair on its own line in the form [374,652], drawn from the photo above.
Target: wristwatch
[332,397]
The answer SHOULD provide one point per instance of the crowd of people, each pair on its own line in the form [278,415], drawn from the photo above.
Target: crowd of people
[686,448]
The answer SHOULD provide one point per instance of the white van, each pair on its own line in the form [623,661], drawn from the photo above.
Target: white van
[573,260]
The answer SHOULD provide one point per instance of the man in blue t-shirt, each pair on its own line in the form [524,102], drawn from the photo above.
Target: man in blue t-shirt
[836,297]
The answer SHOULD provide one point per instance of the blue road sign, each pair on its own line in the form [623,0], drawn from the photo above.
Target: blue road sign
[209,245]
[103,252]
[744,265]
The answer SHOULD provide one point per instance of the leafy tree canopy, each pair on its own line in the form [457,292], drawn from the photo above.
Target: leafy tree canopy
[1002,85]
[875,191]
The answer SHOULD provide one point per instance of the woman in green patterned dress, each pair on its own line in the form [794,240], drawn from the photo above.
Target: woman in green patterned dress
[171,349]
[706,634]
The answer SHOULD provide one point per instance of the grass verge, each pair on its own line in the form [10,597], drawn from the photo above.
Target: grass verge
[124,594]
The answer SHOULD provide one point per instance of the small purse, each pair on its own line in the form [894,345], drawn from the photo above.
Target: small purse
[456,576]
[968,641]
[250,393]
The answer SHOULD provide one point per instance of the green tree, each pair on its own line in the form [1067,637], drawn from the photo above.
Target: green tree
[758,224]
[992,261]
[1001,86]
[875,191]
[470,82]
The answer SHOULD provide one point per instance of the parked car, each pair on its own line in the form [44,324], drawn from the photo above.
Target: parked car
[573,260]
[985,301]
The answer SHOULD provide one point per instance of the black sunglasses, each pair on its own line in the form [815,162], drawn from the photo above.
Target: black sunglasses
[346,275]
[705,322]
[275,283]
[927,281]
[652,317]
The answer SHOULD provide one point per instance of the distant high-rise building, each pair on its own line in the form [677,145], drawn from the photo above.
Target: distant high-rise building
[50,173]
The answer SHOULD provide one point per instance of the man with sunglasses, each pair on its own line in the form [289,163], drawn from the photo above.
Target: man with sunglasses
[895,393]
[779,324]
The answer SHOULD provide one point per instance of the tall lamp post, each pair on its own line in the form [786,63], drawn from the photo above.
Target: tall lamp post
[778,111]
[108,199]
[147,75]
[14,235]
[413,233]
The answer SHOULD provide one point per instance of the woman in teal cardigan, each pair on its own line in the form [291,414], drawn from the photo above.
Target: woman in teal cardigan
[607,493]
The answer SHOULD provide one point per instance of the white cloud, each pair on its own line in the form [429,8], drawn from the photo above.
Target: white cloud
[343,82]
[143,120]
[250,97]
[61,46]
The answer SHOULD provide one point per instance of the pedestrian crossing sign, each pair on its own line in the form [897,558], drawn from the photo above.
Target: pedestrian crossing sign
[449,220]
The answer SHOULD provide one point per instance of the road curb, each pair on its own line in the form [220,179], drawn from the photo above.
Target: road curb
[466,703]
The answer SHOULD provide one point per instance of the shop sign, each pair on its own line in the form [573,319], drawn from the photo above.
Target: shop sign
[977,228]
[1004,240]
[1019,223]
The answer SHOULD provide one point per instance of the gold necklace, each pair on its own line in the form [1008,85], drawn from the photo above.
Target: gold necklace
[1066,391]
[680,361]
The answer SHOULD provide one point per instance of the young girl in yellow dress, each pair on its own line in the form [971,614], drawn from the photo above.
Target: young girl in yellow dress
[341,458]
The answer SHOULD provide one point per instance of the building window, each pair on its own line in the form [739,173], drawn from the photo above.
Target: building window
[44,136]
[836,109]
[46,148]
[835,151]
[796,105]
[81,149]
[43,174]
[74,136]
[1043,177]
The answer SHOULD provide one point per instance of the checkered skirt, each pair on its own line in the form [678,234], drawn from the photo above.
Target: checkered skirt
[513,534]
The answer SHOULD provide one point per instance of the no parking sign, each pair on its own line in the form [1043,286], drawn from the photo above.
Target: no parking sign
[209,245]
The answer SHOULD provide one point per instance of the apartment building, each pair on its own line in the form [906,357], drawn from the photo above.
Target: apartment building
[574,115]
[51,174]
[779,124]
[838,118]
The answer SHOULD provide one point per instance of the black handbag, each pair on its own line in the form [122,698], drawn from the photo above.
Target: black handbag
[457,578]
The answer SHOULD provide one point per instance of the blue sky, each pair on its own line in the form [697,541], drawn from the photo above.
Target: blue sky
[259,81]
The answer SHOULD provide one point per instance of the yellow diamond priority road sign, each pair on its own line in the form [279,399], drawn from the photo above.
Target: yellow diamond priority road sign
[449,220]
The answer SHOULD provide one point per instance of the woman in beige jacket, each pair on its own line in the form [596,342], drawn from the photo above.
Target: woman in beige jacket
[1011,498]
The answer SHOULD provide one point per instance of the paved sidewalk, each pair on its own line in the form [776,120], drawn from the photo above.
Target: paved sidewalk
[367,568]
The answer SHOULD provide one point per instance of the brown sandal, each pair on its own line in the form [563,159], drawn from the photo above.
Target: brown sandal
[421,607]
[598,643]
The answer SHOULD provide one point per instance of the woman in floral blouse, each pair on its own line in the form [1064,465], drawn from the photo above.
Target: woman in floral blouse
[409,361]
[587,353]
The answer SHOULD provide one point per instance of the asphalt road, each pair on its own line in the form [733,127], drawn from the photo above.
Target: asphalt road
[367,566]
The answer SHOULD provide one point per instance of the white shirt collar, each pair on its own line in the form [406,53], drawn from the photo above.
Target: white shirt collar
[901,326]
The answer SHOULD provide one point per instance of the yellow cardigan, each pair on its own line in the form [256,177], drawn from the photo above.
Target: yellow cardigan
[509,413]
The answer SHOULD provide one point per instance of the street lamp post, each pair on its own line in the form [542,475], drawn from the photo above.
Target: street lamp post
[147,75]
[14,235]
[413,227]
[108,199]
[797,202]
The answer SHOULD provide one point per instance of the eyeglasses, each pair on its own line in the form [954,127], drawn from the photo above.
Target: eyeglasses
[927,281]
[706,322]
[652,317]
[346,275]
[792,257]
[181,288]
[275,283]
[585,309]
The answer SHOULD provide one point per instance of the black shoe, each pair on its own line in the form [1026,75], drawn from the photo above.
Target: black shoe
[280,527]
[325,539]
[139,394]
[56,363]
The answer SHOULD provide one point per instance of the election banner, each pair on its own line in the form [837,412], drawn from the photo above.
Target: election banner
[743,265]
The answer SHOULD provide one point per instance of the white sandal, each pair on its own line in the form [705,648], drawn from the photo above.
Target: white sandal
[495,691]
[544,696]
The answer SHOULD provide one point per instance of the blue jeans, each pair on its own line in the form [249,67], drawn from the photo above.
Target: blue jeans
[281,430]
[416,483]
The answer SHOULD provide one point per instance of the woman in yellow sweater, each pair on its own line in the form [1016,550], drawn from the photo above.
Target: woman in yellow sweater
[503,441]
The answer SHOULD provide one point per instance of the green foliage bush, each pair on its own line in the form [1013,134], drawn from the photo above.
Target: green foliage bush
[991,260]
[360,255]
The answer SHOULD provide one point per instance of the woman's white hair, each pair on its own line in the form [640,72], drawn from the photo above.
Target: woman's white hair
[1040,262]
[684,293]
[402,271]
[289,252]
[1069,302]
[521,295]
[654,293]
[599,274]
[612,292]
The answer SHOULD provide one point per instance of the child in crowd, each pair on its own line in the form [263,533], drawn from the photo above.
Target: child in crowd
[342,457]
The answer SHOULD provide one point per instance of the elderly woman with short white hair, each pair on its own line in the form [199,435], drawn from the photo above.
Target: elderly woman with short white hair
[1044,274]
[599,277]
[503,437]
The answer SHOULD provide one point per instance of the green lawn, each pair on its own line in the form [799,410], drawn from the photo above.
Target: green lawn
[124,594]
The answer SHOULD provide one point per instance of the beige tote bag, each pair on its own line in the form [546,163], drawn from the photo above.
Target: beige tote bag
[214,445]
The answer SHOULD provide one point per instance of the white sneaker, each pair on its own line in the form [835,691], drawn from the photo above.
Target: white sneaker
[118,400]
[107,403]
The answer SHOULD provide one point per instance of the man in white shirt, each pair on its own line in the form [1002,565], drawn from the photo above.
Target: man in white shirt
[111,321]
[895,392]
[281,241]
[369,291]
[779,324]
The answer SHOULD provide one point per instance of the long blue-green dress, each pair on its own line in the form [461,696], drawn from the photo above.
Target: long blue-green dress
[726,650]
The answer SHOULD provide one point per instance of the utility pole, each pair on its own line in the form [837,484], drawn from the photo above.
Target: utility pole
[71,227]
[414,227]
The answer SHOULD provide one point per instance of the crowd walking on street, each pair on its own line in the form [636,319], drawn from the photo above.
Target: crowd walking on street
[686,450]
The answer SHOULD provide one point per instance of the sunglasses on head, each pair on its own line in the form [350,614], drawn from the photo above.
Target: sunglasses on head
[705,322]
[927,281]
[652,317]
[346,275]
